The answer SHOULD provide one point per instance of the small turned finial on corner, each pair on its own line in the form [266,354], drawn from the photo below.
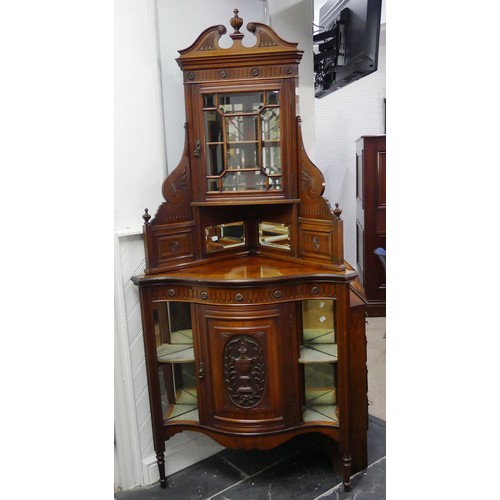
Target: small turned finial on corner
[236,23]
[146,216]
[337,211]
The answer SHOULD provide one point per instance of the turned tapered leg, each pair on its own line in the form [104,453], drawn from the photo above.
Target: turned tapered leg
[346,471]
[160,457]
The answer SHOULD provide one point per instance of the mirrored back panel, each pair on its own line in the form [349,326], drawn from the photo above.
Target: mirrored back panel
[274,234]
[223,236]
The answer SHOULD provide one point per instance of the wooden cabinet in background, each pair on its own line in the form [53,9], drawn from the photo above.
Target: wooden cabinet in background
[253,322]
[370,219]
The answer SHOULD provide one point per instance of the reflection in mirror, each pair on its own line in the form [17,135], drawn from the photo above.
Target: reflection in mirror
[318,321]
[274,234]
[224,236]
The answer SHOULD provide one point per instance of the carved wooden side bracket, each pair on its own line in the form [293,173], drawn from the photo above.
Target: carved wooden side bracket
[312,186]
[176,190]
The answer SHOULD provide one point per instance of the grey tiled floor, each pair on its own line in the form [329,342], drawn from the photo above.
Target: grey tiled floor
[300,468]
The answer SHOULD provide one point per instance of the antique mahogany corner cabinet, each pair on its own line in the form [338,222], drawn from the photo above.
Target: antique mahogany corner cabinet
[254,326]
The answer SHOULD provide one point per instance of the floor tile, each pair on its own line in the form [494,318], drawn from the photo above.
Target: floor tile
[366,485]
[201,480]
[252,462]
[305,475]
[300,468]
[376,439]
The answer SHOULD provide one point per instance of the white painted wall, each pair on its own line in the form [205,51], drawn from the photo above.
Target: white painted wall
[292,20]
[139,139]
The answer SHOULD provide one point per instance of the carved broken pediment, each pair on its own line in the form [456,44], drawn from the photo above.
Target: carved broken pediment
[207,44]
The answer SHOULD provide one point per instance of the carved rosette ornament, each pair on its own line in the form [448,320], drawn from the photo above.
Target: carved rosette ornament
[244,371]
[316,243]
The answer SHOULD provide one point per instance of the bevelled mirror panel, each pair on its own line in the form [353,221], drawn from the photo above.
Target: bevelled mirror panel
[274,234]
[224,236]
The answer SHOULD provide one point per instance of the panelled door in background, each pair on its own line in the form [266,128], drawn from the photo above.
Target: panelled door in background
[370,219]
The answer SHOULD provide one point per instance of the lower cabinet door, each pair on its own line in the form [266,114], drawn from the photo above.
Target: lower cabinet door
[248,381]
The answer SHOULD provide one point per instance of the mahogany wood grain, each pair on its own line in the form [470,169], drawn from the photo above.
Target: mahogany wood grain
[245,301]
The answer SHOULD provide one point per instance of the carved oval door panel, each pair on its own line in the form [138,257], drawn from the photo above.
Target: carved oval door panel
[244,369]
[249,376]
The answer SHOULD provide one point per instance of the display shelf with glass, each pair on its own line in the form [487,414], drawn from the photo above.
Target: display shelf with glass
[319,356]
[175,357]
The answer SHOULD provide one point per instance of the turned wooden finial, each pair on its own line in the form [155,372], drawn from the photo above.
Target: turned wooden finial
[146,216]
[337,211]
[236,23]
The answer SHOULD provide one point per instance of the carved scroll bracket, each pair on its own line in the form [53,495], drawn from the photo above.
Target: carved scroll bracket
[176,190]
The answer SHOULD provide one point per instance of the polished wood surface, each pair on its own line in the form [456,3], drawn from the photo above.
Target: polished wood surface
[253,269]
[240,302]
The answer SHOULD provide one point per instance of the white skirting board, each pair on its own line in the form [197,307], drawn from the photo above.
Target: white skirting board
[182,450]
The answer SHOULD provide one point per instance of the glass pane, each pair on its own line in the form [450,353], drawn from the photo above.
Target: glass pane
[318,321]
[272,97]
[244,181]
[213,126]
[274,234]
[174,340]
[223,236]
[271,158]
[320,393]
[209,101]
[270,123]
[245,102]
[179,397]
[275,183]
[241,128]
[319,355]
[242,156]
[215,165]
[213,185]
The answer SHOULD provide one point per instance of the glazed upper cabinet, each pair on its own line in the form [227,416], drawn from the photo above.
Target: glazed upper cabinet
[239,109]
[253,322]
[240,147]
